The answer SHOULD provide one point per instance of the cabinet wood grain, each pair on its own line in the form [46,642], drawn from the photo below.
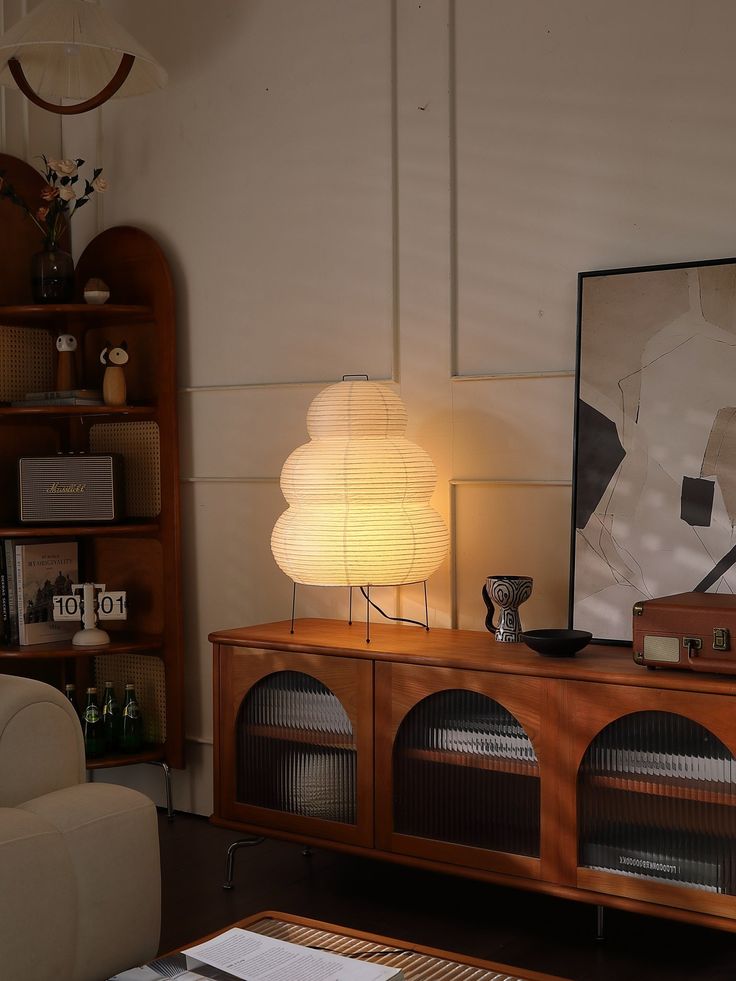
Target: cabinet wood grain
[519,759]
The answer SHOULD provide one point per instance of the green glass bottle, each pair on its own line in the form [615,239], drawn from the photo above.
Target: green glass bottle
[111,717]
[131,736]
[92,726]
[70,691]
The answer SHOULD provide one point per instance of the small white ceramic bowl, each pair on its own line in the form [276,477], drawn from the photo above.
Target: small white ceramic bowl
[96,297]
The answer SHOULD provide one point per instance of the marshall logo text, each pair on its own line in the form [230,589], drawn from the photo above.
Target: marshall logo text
[58,488]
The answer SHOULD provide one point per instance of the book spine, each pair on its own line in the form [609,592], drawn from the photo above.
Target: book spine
[703,873]
[19,598]
[12,607]
[39,403]
[4,610]
[67,393]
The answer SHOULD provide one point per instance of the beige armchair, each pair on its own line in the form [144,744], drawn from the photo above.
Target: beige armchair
[80,882]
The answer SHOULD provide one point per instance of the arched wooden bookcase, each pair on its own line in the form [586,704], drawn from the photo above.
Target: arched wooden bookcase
[141,553]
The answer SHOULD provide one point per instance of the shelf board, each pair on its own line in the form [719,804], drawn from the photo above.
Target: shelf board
[34,411]
[476,761]
[120,529]
[703,791]
[50,314]
[334,740]
[120,643]
[149,754]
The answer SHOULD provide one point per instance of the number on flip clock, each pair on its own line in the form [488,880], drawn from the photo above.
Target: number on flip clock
[112,605]
[67,608]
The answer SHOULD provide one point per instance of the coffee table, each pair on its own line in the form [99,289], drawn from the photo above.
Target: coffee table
[417,962]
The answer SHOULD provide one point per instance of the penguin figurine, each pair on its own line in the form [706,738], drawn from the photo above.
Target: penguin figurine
[66,345]
[113,381]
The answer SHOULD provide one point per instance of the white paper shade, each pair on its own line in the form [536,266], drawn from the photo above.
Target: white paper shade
[72,48]
[358,495]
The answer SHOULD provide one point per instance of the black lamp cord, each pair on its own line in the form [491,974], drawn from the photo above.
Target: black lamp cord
[383,613]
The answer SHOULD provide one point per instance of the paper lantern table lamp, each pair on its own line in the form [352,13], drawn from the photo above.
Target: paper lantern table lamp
[358,495]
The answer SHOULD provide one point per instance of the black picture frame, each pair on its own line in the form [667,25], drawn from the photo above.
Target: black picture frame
[654,462]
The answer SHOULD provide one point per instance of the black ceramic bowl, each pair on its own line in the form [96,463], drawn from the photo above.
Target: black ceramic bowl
[556,643]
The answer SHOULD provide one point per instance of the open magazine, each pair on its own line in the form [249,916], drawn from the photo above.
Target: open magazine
[241,955]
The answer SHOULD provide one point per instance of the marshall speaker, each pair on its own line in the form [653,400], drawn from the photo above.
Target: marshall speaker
[70,487]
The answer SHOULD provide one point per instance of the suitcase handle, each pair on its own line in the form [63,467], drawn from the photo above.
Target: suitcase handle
[698,663]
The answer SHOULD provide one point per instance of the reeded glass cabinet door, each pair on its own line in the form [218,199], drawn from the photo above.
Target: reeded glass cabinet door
[296,751]
[294,743]
[465,771]
[656,799]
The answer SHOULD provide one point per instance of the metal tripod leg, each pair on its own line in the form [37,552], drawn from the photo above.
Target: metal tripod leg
[167,783]
[230,860]
[599,932]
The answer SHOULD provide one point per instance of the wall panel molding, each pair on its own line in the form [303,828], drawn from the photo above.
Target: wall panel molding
[520,556]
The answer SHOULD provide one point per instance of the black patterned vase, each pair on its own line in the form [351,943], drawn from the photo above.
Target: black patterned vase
[507,593]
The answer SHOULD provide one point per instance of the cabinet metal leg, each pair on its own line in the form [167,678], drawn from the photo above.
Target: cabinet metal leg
[230,860]
[599,914]
[167,784]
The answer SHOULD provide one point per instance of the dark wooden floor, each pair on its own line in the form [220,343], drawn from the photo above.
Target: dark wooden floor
[522,929]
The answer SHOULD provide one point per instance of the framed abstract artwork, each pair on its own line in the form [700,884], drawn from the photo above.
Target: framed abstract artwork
[654,486]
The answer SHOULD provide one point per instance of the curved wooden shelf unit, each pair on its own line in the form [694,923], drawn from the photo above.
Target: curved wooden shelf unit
[52,314]
[149,754]
[120,643]
[140,555]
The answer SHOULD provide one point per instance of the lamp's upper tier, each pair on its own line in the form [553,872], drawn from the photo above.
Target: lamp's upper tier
[357,408]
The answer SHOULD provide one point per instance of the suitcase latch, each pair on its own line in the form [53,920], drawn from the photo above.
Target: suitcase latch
[692,645]
[721,639]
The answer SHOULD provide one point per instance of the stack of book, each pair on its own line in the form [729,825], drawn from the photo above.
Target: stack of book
[492,737]
[69,396]
[698,861]
[32,572]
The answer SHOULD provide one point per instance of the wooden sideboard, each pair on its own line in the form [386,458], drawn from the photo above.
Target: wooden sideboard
[589,778]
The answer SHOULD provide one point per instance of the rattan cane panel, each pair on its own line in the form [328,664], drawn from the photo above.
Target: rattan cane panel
[139,444]
[416,966]
[27,362]
[148,676]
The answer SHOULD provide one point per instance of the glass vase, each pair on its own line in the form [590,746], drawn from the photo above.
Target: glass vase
[52,275]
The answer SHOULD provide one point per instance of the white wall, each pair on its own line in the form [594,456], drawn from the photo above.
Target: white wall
[406,189]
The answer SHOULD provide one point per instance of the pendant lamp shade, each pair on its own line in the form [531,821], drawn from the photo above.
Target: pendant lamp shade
[72,49]
[358,495]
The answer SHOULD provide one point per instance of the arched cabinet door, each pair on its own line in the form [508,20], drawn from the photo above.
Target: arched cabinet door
[295,738]
[657,802]
[462,770]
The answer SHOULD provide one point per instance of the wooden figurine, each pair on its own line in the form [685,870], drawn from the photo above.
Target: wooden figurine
[66,346]
[113,381]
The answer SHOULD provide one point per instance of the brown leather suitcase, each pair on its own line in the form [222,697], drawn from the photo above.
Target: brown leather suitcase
[696,631]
